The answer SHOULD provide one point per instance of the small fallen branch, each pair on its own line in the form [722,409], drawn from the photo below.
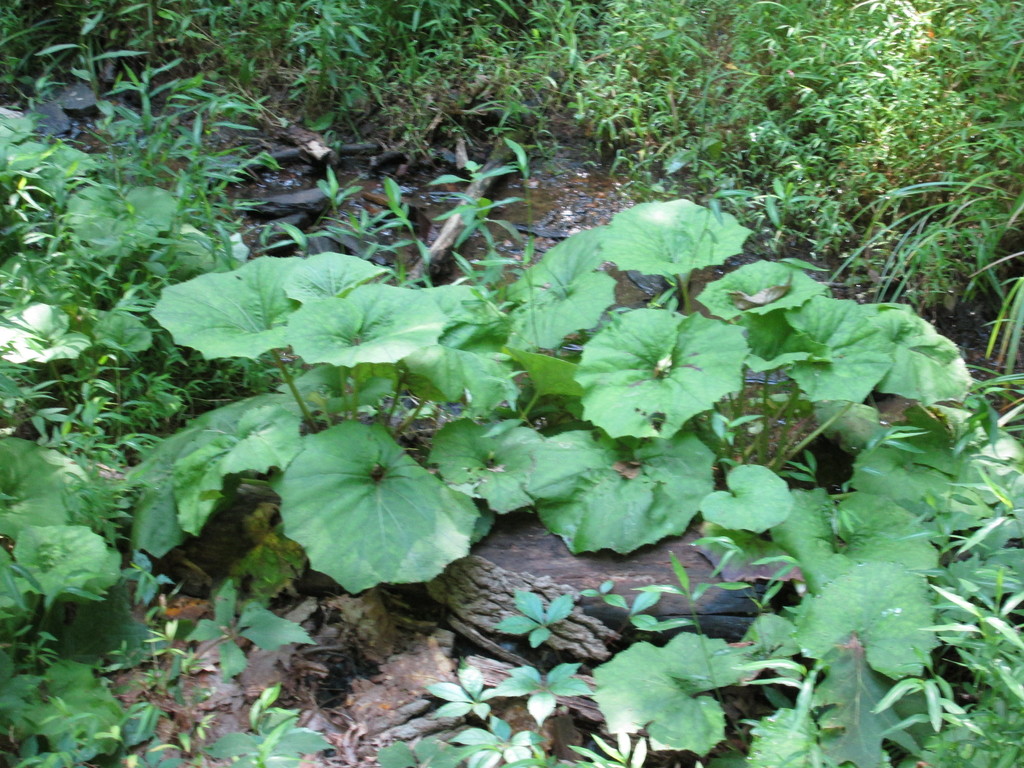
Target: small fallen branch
[440,252]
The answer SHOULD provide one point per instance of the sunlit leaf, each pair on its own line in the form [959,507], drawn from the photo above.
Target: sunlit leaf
[373,324]
[564,292]
[671,238]
[760,287]
[35,486]
[38,334]
[62,558]
[859,355]
[329,275]
[927,366]
[650,371]
[230,314]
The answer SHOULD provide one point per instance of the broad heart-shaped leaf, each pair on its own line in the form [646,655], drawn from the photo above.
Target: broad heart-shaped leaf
[114,224]
[265,436]
[656,688]
[231,314]
[329,275]
[671,238]
[830,541]
[651,370]
[373,324]
[632,497]
[66,557]
[761,287]
[38,334]
[502,469]
[859,353]
[155,526]
[367,513]
[481,381]
[884,605]
[757,500]
[564,292]
[122,331]
[851,731]
[774,343]
[35,484]
[927,366]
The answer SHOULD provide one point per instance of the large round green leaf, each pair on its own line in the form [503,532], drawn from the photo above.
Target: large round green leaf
[926,366]
[373,324]
[858,353]
[366,513]
[480,381]
[758,288]
[631,498]
[473,321]
[865,529]
[264,436]
[63,558]
[155,518]
[757,500]
[564,292]
[656,689]
[112,222]
[122,331]
[650,371]
[329,275]
[885,605]
[495,467]
[38,334]
[230,314]
[34,485]
[671,238]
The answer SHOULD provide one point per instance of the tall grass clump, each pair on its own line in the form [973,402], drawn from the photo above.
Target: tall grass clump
[881,126]
[881,134]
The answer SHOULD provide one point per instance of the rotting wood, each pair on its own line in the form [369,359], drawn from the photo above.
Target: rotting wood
[364,148]
[311,143]
[481,594]
[440,252]
[521,544]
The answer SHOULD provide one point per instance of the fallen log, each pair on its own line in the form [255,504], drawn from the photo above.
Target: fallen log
[481,594]
[521,544]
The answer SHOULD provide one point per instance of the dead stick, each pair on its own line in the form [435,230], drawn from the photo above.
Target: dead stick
[440,251]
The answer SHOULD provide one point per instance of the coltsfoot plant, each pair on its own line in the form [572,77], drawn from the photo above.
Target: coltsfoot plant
[609,423]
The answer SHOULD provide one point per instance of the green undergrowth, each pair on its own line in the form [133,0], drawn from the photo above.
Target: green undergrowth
[408,416]
[648,421]
[879,135]
[396,419]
